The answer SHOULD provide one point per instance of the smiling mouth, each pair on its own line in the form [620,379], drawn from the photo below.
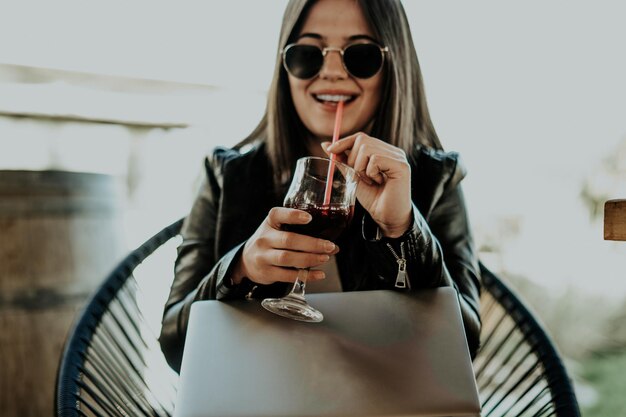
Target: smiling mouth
[333,98]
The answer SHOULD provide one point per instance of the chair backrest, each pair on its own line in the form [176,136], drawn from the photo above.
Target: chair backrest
[112,364]
[518,370]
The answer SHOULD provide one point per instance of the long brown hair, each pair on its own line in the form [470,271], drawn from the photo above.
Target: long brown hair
[402,117]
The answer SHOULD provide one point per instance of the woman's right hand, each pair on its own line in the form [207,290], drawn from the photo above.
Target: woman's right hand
[272,254]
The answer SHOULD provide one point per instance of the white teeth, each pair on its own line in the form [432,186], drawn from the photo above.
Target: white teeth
[332,97]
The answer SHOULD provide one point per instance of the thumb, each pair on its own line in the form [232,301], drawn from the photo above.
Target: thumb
[325,146]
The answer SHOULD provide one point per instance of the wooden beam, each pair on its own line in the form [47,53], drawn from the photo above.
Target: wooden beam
[615,220]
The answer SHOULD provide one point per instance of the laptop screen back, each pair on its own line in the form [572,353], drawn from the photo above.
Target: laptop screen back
[377,353]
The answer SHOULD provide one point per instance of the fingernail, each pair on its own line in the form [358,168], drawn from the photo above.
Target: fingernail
[329,246]
[324,258]
[326,145]
[318,275]
[306,217]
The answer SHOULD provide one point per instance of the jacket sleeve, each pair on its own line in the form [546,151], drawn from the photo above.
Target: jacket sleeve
[199,274]
[439,252]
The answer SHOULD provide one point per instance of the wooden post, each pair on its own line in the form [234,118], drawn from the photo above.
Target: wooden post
[615,220]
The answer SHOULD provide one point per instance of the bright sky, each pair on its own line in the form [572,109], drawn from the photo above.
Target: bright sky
[533,95]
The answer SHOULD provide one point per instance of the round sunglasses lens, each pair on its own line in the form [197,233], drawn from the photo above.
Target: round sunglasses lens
[363,60]
[303,61]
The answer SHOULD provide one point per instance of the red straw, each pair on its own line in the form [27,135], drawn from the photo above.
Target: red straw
[333,156]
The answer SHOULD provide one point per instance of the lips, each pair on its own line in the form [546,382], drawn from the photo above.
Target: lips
[334,98]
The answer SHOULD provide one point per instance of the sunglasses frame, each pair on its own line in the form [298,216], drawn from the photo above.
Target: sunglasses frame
[325,50]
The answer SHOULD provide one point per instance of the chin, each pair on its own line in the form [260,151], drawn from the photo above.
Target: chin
[322,137]
[322,134]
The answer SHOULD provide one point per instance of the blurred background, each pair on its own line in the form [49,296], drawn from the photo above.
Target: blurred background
[533,96]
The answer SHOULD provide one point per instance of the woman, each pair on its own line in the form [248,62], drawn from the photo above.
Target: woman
[409,202]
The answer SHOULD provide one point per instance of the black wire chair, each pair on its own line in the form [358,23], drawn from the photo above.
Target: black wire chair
[519,371]
[112,364]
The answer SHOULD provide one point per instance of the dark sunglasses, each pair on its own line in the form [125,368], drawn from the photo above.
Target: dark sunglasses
[361,60]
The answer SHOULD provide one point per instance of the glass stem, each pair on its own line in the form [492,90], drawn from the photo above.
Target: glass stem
[300,283]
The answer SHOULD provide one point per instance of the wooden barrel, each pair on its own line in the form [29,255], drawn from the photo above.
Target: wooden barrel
[60,234]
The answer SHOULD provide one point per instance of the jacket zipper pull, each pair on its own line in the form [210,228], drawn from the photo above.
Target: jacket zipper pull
[250,294]
[401,281]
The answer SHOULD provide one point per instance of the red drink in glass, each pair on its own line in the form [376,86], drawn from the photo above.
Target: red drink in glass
[328,222]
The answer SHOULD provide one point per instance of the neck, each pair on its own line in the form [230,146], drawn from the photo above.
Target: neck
[314,148]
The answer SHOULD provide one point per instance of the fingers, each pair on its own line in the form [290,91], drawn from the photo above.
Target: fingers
[343,144]
[282,265]
[360,142]
[282,215]
[265,264]
[302,243]
[277,238]
[272,254]
[288,251]
[361,161]
[293,259]
[341,157]
[374,160]
[381,167]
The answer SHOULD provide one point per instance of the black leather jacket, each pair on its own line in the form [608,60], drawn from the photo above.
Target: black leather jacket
[236,196]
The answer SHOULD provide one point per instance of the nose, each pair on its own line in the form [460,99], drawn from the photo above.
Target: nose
[333,69]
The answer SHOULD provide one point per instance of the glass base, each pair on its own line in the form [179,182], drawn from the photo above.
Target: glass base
[293,307]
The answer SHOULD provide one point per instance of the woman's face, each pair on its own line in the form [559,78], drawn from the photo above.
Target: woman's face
[335,23]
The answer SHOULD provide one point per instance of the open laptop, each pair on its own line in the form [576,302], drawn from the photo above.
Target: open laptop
[377,353]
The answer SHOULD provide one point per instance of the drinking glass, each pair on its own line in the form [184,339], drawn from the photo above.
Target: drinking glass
[331,208]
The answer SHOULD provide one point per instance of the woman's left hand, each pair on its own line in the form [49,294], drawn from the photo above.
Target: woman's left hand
[385,173]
